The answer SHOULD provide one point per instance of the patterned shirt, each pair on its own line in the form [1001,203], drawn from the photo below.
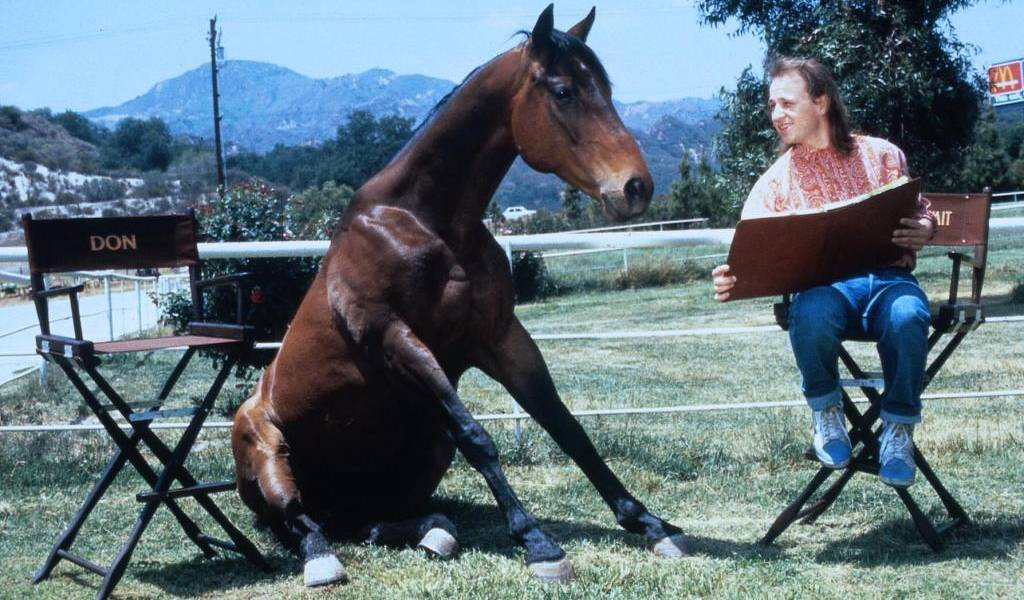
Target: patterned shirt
[807,178]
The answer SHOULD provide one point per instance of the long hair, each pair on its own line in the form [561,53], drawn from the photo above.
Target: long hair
[819,83]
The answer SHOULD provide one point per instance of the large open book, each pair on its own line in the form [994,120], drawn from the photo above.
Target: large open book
[797,250]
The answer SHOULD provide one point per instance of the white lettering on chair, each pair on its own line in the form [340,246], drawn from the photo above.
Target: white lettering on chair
[112,242]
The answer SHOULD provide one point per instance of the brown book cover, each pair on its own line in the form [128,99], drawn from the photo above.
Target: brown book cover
[794,251]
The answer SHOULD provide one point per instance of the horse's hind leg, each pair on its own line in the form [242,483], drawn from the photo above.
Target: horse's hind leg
[435,533]
[267,485]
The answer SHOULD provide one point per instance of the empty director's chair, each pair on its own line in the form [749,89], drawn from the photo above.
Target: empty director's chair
[962,221]
[64,245]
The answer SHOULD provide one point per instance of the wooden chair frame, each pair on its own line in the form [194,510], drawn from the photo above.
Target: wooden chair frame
[164,241]
[962,221]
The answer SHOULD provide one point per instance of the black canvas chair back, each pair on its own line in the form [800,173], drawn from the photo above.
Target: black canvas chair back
[962,225]
[69,245]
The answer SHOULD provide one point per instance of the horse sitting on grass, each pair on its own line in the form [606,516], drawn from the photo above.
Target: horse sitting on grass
[358,418]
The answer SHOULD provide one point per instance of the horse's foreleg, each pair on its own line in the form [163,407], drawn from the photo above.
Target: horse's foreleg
[267,484]
[517,364]
[435,533]
[408,356]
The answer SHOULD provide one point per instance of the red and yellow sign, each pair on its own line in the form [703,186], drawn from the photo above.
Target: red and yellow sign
[1005,78]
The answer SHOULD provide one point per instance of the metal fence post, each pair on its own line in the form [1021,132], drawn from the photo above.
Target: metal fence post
[138,302]
[110,306]
[625,260]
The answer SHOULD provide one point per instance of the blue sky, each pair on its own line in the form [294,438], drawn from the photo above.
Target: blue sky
[85,54]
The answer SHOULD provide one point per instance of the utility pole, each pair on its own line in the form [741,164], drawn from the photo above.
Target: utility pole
[214,46]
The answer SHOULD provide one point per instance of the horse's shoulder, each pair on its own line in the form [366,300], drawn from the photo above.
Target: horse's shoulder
[393,227]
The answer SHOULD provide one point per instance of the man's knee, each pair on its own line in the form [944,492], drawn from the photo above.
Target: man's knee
[909,314]
[821,309]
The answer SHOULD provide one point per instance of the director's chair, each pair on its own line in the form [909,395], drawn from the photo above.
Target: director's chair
[65,245]
[962,221]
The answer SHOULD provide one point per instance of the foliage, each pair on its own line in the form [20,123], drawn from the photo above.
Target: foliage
[701,196]
[572,206]
[143,145]
[903,74]
[175,309]
[253,211]
[81,127]
[530,277]
[10,118]
[102,190]
[362,147]
[315,211]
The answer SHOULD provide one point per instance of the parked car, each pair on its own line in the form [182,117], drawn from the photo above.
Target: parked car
[517,212]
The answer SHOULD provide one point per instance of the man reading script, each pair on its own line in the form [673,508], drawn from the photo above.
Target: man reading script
[823,162]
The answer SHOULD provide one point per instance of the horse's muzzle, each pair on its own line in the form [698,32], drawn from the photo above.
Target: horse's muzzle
[630,201]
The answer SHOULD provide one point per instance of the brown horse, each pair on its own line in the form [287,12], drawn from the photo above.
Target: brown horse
[357,419]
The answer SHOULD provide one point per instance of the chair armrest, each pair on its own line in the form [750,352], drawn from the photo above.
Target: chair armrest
[238,280]
[232,279]
[66,290]
[42,298]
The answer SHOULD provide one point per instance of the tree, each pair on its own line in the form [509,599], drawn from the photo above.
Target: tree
[362,146]
[902,73]
[987,162]
[700,195]
[80,127]
[138,144]
[315,211]
[572,208]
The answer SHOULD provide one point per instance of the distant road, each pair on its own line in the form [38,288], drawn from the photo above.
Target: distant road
[19,325]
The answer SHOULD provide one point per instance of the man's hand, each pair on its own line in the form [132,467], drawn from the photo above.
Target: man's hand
[723,282]
[915,233]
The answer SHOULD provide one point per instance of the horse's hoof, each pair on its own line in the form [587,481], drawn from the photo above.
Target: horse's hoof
[323,570]
[438,542]
[553,571]
[673,546]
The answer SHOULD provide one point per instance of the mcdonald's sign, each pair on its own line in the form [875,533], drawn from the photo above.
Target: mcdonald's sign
[1006,82]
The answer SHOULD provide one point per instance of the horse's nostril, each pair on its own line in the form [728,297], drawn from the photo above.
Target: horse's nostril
[636,190]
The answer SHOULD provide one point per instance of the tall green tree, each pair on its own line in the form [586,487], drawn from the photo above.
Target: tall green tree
[362,146]
[901,70]
[145,145]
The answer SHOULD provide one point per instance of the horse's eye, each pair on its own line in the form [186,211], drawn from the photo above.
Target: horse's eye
[563,94]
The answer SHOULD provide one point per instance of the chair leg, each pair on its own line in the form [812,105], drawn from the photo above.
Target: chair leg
[953,508]
[242,543]
[132,454]
[924,526]
[163,483]
[791,512]
[810,514]
[67,538]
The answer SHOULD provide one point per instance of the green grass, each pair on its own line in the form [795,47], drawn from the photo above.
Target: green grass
[722,476]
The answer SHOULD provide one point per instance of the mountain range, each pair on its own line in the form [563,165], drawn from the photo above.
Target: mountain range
[263,105]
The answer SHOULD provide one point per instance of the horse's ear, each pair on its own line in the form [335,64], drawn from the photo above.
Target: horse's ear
[540,38]
[581,29]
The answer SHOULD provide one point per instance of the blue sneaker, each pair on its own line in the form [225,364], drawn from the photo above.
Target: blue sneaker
[831,442]
[896,456]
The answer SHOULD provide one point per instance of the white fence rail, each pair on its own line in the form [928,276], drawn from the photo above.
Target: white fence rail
[555,244]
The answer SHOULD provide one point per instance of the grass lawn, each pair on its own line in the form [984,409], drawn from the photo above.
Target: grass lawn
[721,476]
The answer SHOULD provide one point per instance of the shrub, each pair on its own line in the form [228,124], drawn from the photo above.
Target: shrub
[530,277]
[253,211]
[102,190]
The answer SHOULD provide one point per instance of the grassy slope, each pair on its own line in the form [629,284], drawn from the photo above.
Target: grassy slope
[721,476]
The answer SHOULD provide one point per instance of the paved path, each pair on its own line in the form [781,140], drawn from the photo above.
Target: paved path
[19,325]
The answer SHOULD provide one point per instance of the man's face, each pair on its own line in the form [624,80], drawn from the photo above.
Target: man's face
[797,118]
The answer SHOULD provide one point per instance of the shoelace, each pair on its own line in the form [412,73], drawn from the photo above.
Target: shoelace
[898,442]
[831,424]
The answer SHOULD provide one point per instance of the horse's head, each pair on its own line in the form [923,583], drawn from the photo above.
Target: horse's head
[564,122]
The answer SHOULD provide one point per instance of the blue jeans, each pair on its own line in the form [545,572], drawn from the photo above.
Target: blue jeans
[887,304]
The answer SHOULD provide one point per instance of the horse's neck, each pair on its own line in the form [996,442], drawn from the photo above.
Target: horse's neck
[448,172]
